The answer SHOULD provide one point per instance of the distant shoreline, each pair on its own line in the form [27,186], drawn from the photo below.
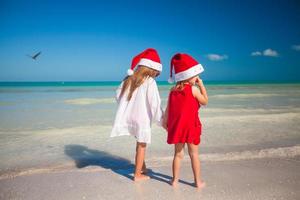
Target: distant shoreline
[114,83]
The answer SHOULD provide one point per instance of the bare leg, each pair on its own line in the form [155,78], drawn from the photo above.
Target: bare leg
[193,152]
[178,155]
[144,168]
[139,161]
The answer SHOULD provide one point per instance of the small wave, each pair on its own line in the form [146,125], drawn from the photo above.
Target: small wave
[270,117]
[281,109]
[89,101]
[252,95]
[281,152]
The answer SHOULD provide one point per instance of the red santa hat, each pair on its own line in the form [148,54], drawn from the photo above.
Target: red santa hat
[148,58]
[185,67]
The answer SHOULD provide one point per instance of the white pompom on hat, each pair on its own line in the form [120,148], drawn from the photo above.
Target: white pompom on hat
[185,67]
[148,58]
[130,72]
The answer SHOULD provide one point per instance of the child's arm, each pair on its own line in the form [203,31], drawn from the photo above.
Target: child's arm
[200,95]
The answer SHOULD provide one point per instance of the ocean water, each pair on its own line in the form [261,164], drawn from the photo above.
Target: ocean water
[54,123]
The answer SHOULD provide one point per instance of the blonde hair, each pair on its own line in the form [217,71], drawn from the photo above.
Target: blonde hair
[180,85]
[134,81]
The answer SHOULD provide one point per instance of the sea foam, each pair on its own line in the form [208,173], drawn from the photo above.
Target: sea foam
[281,152]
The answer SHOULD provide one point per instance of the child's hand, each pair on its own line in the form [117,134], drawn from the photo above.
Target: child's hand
[200,93]
[199,81]
[165,118]
[165,126]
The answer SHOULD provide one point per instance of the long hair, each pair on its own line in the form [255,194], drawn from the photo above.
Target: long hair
[134,81]
[180,85]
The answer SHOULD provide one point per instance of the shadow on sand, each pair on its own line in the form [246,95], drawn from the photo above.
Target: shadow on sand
[84,157]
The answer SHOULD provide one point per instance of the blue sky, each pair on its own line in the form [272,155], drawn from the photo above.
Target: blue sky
[96,40]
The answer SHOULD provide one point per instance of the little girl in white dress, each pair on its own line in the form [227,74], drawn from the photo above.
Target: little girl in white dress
[139,105]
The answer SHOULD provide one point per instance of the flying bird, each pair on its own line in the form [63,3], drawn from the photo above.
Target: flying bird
[34,57]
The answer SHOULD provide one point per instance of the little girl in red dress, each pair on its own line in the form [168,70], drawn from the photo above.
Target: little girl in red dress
[181,117]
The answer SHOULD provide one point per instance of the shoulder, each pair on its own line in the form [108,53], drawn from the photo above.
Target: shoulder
[175,89]
[195,90]
[151,82]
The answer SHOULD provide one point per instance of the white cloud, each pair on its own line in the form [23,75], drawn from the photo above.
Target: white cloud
[266,52]
[296,47]
[256,53]
[270,52]
[216,57]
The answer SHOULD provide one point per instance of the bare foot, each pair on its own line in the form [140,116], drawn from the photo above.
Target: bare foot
[200,184]
[141,177]
[174,182]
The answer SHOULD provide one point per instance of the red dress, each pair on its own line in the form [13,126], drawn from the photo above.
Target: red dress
[184,125]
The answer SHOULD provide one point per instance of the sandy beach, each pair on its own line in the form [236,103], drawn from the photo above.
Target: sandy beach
[55,144]
[269,178]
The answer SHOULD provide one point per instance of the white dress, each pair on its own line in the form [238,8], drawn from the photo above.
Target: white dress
[134,117]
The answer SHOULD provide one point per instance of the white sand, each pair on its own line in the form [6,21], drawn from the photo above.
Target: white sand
[248,179]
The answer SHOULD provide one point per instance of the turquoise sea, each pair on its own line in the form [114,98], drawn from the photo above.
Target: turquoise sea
[42,122]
